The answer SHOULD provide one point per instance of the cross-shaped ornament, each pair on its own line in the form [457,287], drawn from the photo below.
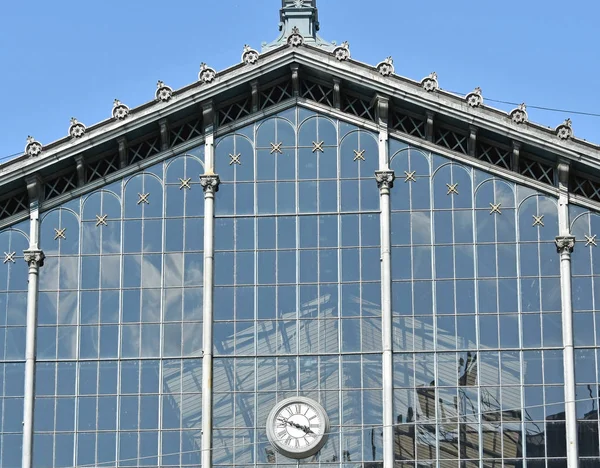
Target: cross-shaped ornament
[410,176]
[538,220]
[452,189]
[318,146]
[235,159]
[185,183]
[495,208]
[143,198]
[9,257]
[276,148]
[101,220]
[591,240]
[60,233]
[359,155]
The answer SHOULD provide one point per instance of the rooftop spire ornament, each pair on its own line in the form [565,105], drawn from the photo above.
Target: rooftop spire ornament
[299,25]
[430,83]
[249,55]
[295,39]
[33,147]
[120,111]
[386,67]
[163,92]
[519,114]
[342,52]
[76,129]
[206,74]
[564,131]
[475,98]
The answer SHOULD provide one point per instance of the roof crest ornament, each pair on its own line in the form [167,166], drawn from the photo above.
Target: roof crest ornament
[299,18]
[33,147]
[564,131]
[120,111]
[386,67]
[519,114]
[76,129]
[475,98]
[249,55]
[295,39]
[342,52]
[206,74]
[430,83]
[163,92]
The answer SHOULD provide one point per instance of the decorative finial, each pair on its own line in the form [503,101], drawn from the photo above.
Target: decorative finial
[342,52]
[295,39]
[475,98]
[430,83]
[564,131]
[120,111]
[76,129]
[519,114]
[386,68]
[249,56]
[32,148]
[206,74]
[163,92]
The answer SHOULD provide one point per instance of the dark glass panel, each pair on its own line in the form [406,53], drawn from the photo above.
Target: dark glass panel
[402,298]
[224,202]
[463,226]
[532,367]
[488,331]
[350,195]
[265,197]
[423,297]
[328,196]
[553,367]
[307,197]
[286,197]
[556,437]
[466,332]
[465,297]
[509,331]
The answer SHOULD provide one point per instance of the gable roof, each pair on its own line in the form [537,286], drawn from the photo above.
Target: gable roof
[300,67]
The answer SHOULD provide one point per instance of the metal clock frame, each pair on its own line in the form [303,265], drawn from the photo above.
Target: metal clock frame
[303,452]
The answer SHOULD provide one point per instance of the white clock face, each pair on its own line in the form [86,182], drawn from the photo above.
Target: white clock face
[298,427]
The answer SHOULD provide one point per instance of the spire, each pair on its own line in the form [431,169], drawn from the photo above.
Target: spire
[299,17]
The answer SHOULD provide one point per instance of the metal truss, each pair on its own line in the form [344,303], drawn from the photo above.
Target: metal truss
[408,124]
[275,94]
[536,170]
[317,92]
[59,185]
[144,149]
[494,154]
[451,140]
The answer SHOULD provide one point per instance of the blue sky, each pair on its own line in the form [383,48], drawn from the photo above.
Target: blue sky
[64,59]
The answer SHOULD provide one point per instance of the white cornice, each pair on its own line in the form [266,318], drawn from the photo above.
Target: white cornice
[410,91]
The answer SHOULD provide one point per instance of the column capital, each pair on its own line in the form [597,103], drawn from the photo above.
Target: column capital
[210,183]
[34,258]
[565,244]
[385,179]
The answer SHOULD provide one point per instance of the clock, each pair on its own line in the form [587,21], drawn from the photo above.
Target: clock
[298,427]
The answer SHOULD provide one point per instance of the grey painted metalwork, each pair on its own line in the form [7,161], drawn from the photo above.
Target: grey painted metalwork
[210,184]
[299,21]
[34,257]
[564,245]
[474,276]
[385,181]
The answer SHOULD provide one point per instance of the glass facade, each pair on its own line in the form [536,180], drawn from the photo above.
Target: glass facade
[477,335]
[586,326]
[478,364]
